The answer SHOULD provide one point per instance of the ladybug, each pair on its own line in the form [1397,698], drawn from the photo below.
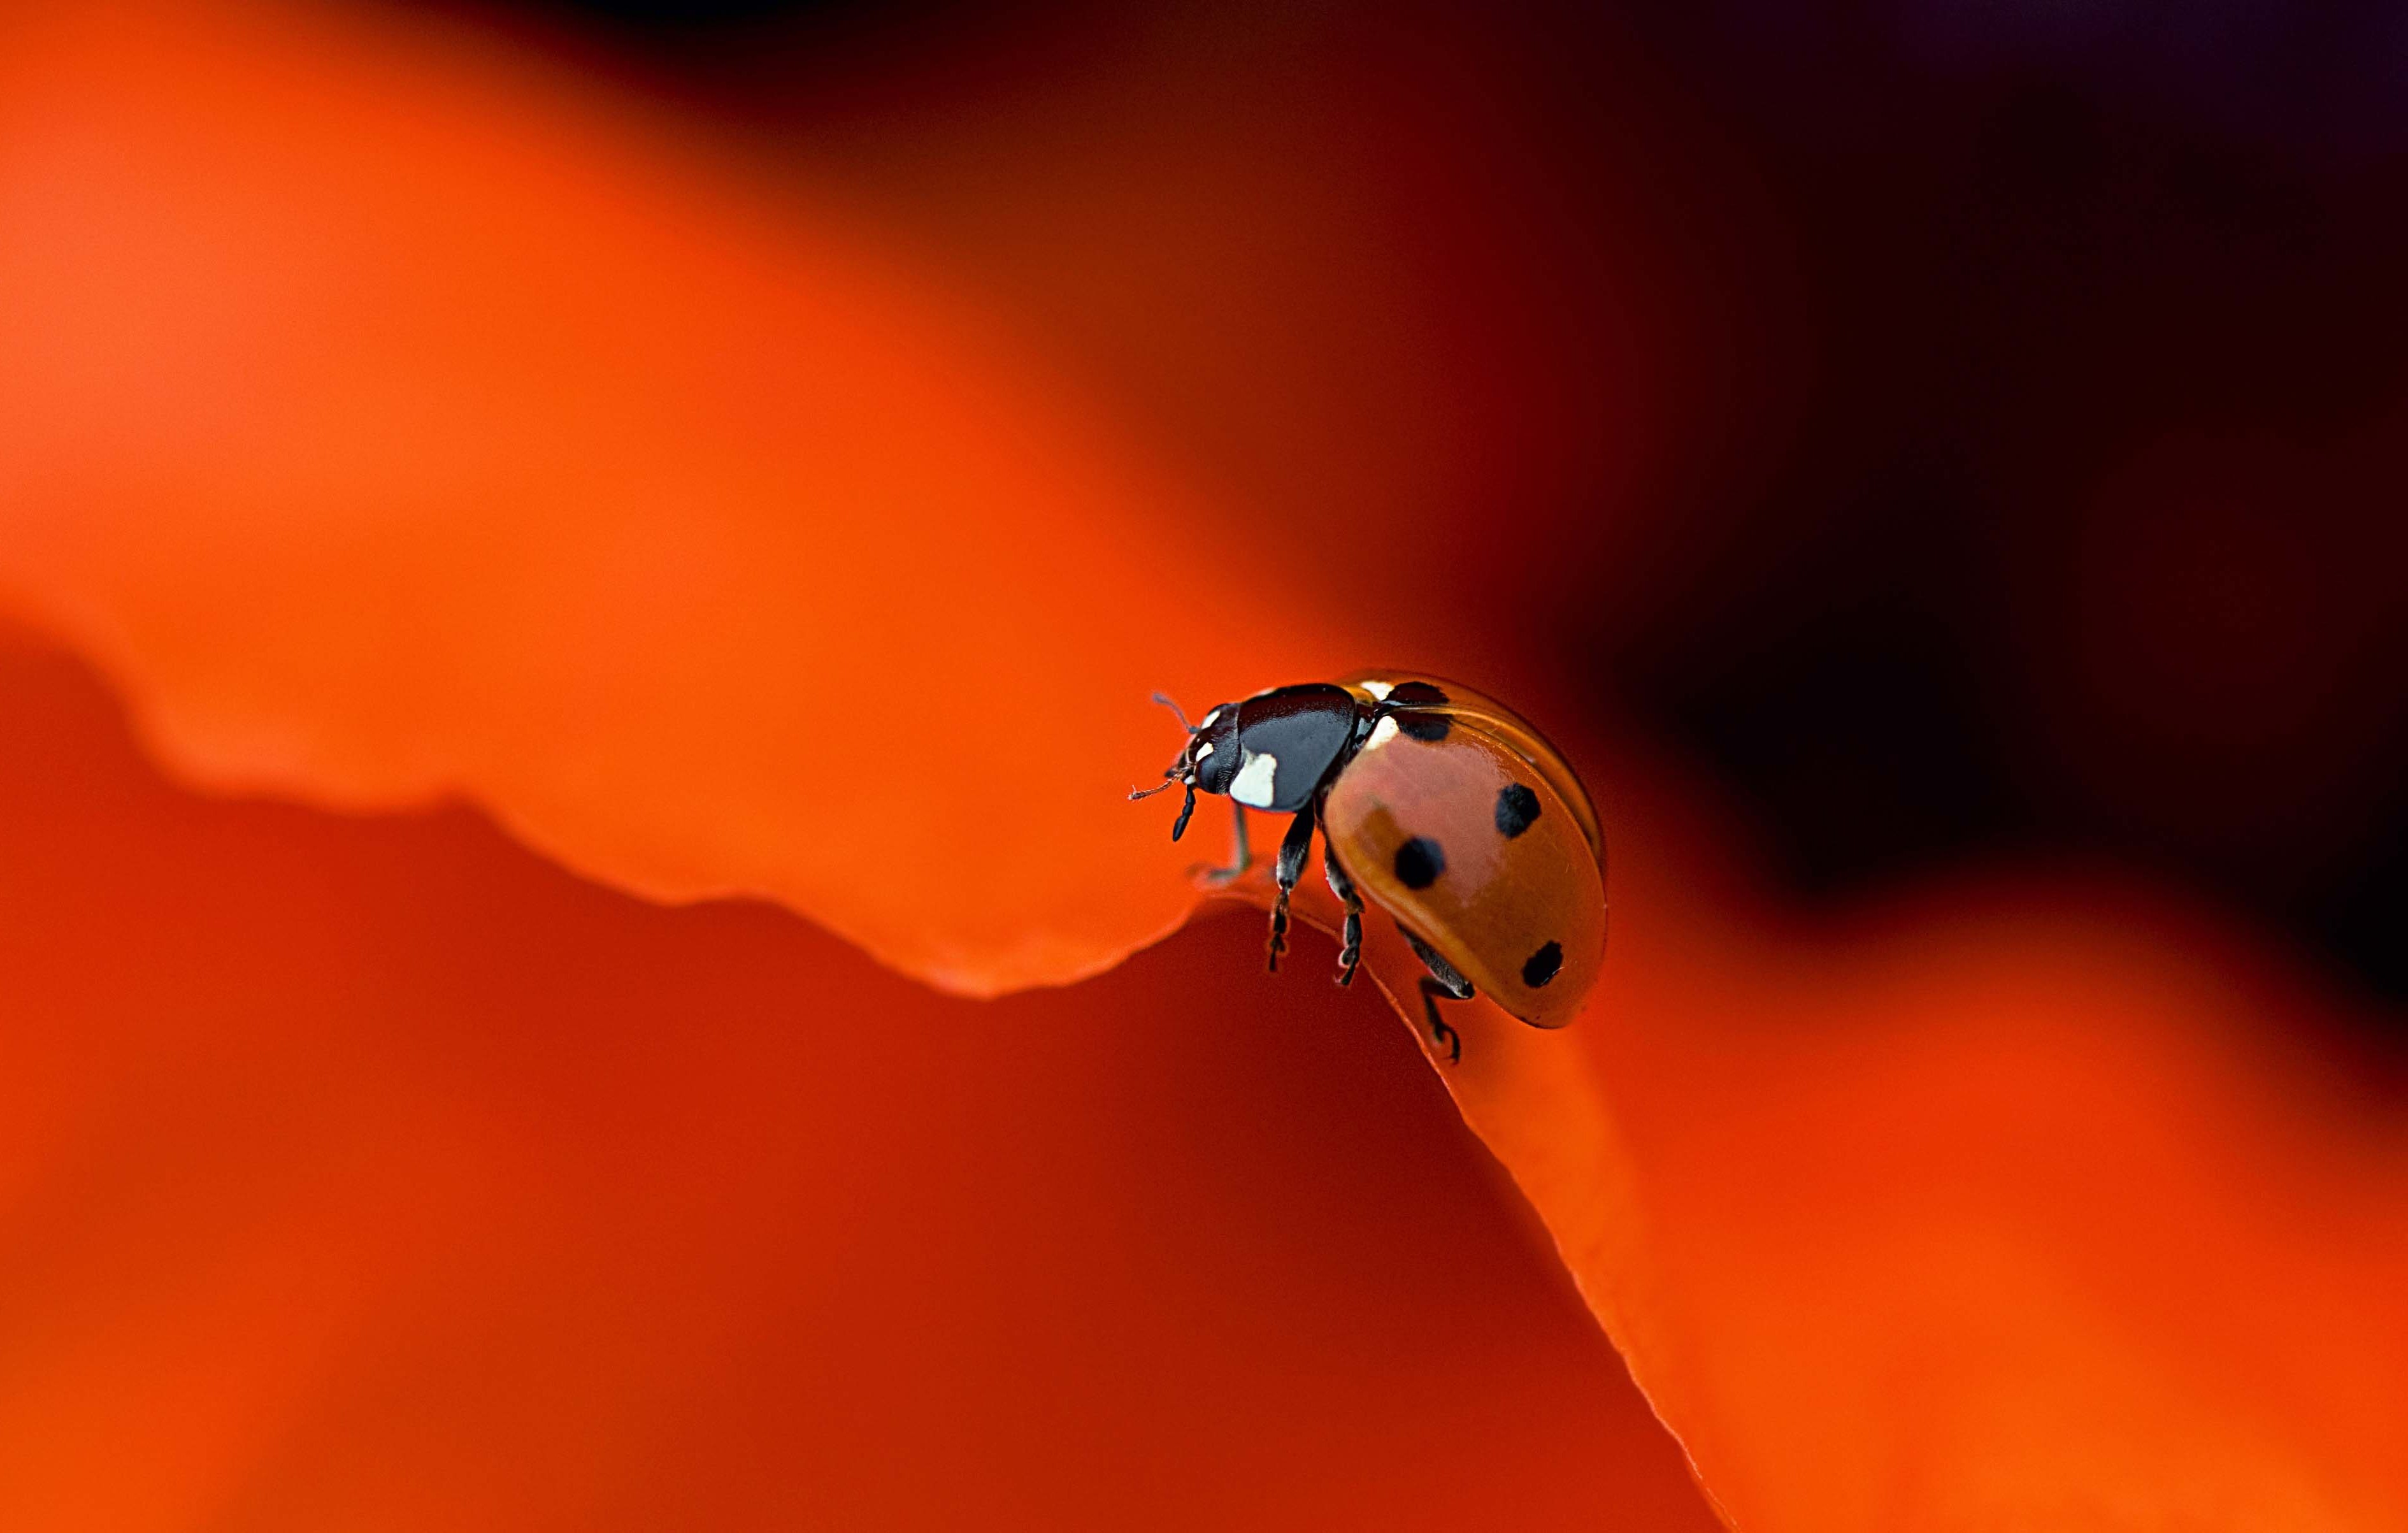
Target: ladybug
[1441,807]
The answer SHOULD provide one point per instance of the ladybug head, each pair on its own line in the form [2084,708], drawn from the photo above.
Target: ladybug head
[1206,765]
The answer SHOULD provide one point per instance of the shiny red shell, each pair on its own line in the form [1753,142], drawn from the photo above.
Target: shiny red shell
[1477,836]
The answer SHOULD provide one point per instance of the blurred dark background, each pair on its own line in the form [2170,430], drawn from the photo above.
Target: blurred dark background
[2057,402]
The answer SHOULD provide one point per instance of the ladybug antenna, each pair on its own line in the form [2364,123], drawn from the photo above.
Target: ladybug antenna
[1176,712]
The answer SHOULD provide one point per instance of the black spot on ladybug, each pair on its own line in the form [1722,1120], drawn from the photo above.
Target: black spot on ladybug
[1427,727]
[1419,861]
[1544,965]
[1517,809]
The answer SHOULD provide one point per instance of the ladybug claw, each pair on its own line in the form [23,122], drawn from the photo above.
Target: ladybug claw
[1241,855]
[1439,1032]
[1454,1041]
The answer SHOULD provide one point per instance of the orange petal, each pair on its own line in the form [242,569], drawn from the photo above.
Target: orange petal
[392,423]
[2018,1205]
[375,1173]
[2029,1203]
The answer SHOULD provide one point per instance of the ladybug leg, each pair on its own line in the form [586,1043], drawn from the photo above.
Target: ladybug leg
[1294,848]
[1443,983]
[1242,856]
[1440,1031]
[1350,948]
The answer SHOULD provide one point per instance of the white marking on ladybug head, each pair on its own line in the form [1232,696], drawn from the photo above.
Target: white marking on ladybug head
[1204,750]
[1205,722]
[1256,785]
[1382,732]
[1379,690]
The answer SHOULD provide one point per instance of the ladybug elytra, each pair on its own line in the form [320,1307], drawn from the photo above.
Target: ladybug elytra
[1438,806]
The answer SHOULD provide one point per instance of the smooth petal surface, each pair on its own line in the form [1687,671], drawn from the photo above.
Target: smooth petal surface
[2032,1205]
[373,1173]
[391,425]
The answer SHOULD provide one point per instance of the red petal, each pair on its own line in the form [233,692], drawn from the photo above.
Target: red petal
[376,1173]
